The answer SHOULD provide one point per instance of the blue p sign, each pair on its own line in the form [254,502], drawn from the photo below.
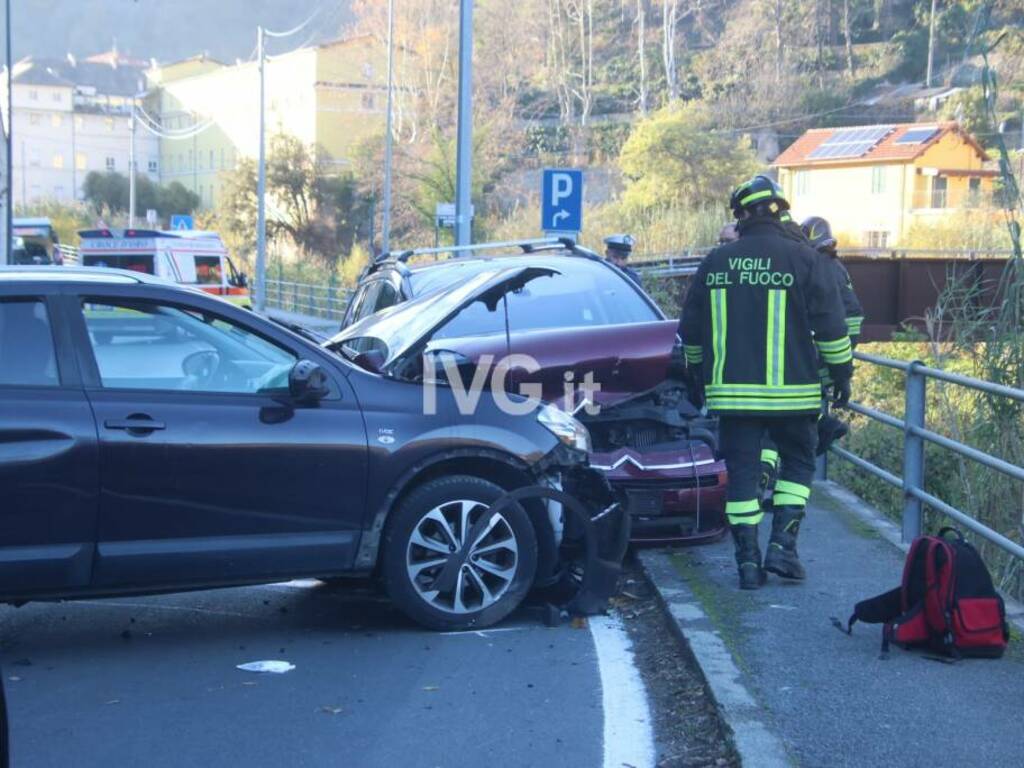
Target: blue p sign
[562,200]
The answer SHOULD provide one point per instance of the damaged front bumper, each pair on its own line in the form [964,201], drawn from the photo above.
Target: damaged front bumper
[596,535]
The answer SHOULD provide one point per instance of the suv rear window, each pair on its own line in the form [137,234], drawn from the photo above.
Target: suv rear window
[584,294]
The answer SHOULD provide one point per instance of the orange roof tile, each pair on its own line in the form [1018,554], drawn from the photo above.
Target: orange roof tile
[887,150]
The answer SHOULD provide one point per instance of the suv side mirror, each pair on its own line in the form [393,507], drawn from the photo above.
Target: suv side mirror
[307,383]
[243,280]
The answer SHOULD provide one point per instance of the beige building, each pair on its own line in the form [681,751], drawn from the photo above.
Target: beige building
[873,183]
[330,96]
[72,117]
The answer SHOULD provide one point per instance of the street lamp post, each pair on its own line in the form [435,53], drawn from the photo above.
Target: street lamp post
[131,167]
[9,208]
[385,234]
[464,163]
[261,188]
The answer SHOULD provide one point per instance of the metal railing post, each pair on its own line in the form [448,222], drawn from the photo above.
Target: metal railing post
[821,462]
[913,451]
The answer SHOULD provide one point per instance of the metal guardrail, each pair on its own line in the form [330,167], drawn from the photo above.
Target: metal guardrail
[324,301]
[916,434]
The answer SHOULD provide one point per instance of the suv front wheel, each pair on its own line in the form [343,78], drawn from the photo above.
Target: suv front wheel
[451,564]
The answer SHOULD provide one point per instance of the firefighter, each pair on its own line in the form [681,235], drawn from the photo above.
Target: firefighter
[617,249]
[818,233]
[758,313]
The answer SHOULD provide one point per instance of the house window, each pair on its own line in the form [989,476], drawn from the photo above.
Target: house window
[878,180]
[81,161]
[189,166]
[56,120]
[34,118]
[33,95]
[110,124]
[152,166]
[181,162]
[33,158]
[58,192]
[222,158]
[58,160]
[802,182]
[876,239]
[56,96]
[938,192]
[110,165]
[211,159]
[79,122]
[367,101]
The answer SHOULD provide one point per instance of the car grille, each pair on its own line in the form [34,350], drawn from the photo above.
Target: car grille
[644,503]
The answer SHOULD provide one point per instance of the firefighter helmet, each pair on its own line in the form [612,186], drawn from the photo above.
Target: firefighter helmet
[819,232]
[760,195]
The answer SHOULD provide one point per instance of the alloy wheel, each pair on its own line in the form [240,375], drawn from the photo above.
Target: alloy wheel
[462,557]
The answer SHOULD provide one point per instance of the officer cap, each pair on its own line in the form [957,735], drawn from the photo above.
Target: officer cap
[623,244]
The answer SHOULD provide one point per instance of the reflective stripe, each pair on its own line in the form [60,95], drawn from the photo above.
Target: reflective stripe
[768,456]
[775,346]
[741,404]
[742,507]
[794,489]
[756,196]
[694,353]
[764,390]
[719,328]
[787,500]
[836,352]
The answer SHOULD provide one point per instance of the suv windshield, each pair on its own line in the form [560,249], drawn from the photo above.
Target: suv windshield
[584,294]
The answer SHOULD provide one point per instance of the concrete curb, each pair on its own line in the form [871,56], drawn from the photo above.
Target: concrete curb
[892,533]
[756,742]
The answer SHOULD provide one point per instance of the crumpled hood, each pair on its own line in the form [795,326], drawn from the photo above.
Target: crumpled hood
[403,327]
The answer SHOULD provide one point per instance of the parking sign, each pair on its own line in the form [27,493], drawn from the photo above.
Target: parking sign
[562,200]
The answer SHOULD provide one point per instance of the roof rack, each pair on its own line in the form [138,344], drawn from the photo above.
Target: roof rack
[527,246]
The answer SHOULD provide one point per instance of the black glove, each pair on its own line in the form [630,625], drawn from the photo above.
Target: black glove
[841,376]
[695,384]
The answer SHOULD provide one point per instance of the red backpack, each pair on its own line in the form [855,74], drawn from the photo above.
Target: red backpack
[946,604]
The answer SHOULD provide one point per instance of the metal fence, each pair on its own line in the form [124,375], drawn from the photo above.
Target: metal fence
[916,434]
[324,301]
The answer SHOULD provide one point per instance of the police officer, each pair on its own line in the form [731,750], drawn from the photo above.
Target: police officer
[758,313]
[617,249]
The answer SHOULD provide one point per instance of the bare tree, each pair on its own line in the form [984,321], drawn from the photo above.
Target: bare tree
[669,19]
[641,13]
[848,34]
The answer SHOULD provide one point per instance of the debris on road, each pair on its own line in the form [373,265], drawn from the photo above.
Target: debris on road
[332,710]
[431,688]
[272,666]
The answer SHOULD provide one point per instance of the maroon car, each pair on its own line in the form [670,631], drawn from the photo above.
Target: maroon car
[579,315]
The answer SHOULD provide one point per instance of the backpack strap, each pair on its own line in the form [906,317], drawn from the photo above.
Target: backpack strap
[950,529]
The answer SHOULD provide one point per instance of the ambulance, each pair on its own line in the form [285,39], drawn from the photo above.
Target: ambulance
[189,257]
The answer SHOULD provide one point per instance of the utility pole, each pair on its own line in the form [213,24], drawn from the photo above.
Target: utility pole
[9,207]
[131,168]
[931,46]
[385,235]
[261,188]
[464,163]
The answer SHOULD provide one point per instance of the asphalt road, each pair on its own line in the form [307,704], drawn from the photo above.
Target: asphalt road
[153,681]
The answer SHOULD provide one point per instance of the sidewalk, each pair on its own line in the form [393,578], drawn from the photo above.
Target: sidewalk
[797,691]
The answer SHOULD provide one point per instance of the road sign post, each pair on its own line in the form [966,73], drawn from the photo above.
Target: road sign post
[562,201]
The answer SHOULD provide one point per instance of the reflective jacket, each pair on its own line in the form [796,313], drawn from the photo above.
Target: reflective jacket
[758,313]
[851,305]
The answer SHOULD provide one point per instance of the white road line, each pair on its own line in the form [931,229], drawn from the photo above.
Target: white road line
[628,737]
[484,633]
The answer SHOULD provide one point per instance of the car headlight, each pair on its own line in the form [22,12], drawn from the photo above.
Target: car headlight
[565,427]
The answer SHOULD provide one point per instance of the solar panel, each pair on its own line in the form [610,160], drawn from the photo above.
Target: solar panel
[918,135]
[850,142]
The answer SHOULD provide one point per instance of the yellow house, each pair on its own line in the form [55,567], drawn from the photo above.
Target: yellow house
[874,182]
[331,95]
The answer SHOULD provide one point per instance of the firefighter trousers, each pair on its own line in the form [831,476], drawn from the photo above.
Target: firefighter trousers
[795,437]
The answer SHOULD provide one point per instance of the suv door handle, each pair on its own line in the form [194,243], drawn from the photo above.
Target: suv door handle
[136,424]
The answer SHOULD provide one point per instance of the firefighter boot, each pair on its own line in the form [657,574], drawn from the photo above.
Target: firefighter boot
[748,556]
[781,558]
